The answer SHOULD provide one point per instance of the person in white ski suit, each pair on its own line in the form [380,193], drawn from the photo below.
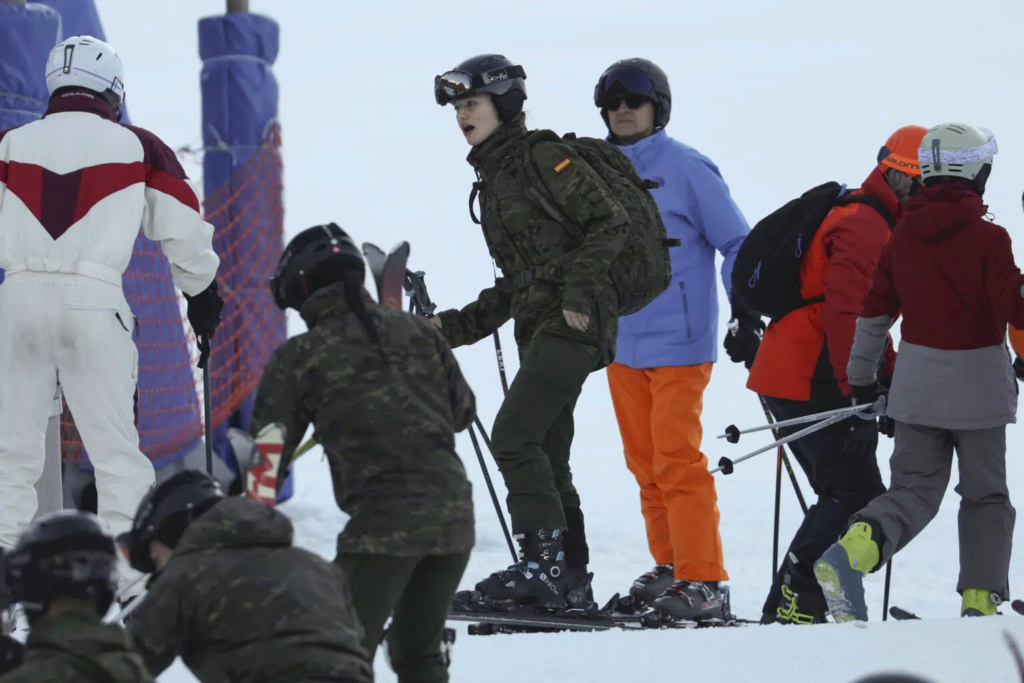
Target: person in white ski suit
[75,185]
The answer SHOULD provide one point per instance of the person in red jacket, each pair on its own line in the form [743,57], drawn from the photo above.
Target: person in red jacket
[952,275]
[800,369]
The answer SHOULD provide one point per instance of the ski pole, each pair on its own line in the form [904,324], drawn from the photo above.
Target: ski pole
[490,486]
[885,595]
[119,593]
[732,433]
[501,362]
[725,465]
[783,457]
[208,409]
[420,304]
[127,609]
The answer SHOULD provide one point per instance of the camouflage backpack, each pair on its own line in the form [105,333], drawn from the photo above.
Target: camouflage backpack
[642,269]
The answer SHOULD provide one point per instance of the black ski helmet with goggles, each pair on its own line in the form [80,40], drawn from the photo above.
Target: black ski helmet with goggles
[638,77]
[493,74]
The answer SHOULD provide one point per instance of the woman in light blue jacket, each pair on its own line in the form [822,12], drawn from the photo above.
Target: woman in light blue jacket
[665,351]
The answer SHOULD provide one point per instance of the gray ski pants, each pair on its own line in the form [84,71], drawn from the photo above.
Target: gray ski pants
[921,465]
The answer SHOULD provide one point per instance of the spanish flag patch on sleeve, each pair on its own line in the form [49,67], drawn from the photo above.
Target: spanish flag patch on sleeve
[562,165]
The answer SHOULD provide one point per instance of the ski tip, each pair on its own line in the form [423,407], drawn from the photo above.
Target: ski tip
[901,614]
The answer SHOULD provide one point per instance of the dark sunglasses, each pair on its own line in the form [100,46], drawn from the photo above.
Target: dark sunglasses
[632,101]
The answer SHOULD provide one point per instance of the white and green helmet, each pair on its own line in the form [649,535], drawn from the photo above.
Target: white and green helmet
[957,151]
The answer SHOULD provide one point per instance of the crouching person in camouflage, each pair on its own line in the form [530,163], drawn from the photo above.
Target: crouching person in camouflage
[232,596]
[385,396]
[64,573]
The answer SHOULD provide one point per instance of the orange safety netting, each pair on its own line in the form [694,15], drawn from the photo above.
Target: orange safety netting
[248,216]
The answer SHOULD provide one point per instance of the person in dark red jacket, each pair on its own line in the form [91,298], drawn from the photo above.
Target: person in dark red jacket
[952,275]
[800,369]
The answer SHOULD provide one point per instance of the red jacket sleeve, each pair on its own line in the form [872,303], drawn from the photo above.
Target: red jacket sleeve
[882,298]
[1003,279]
[852,246]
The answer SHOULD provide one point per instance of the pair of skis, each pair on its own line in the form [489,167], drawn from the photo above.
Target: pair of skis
[901,614]
[486,620]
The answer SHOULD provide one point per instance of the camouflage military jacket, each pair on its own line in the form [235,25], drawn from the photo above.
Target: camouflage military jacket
[75,647]
[546,269]
[238,602]
[386,419]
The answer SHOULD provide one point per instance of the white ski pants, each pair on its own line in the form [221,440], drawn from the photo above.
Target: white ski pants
[77,331]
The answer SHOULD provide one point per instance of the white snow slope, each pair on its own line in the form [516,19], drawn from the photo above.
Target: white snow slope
[781,96]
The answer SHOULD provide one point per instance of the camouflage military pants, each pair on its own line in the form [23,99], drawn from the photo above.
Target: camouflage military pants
[534,428]
[416,592]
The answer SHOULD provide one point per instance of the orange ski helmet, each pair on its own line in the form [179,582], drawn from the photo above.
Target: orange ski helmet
[900,150]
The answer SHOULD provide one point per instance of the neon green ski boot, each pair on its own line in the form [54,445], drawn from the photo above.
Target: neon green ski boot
[979,603]
[840,572]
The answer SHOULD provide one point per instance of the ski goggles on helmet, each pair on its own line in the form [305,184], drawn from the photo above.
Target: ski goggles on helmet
[623,79]
[453,84]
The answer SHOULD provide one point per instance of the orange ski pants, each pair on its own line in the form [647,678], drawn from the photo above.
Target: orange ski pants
[659,411]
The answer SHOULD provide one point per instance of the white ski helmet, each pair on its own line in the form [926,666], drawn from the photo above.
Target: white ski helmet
[86,62]
[957,151]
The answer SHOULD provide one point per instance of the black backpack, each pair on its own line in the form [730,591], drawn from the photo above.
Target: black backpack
[643,269]
[766,274]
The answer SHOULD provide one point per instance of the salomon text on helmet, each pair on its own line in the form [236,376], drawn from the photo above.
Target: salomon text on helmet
[493,74]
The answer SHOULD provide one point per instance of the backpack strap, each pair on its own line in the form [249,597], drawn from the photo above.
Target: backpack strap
[870,200]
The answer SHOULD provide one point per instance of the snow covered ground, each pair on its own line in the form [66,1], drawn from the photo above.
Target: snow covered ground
[782,96]
[949,649]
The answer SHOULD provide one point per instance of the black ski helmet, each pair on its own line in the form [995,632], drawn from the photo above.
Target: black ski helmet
[494,74]
[166,511]
[636,76]
[316,257]
[62,554]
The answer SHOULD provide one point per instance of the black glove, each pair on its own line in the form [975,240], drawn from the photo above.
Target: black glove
[744,336]
[865,395]
[204,317]
[862,437]
[1018,367]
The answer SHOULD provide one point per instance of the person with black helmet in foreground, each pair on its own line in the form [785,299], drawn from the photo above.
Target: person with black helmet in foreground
[554,228]
[668,348]
[386,397]
[232,596]
[63,571]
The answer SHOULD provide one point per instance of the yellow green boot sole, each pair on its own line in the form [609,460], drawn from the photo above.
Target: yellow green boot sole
[840,573]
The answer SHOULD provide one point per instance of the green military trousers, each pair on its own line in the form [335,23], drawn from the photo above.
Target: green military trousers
[416,592]
[534,428]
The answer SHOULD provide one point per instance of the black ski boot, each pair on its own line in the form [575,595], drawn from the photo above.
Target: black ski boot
[693,601]
[650,585]
[579,593]
[578,590]
[538,578]
[801,601]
